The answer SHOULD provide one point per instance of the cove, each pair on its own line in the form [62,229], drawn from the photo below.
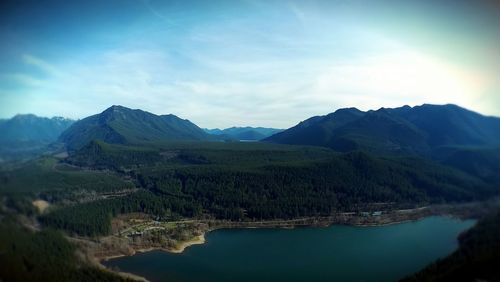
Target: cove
[335,253]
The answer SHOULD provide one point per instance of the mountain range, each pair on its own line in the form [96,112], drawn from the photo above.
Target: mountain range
[25,136]
[438,131]
[243,133]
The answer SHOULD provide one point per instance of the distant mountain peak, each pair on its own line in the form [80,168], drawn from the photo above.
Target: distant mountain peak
[243,133]
[17,116]
[33,117]
[347,110]
[118,108]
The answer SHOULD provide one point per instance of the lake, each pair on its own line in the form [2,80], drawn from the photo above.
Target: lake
[335,253]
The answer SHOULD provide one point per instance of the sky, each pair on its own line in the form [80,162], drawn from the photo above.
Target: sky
[247,62]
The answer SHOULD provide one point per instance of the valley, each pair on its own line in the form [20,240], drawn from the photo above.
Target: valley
[120,187]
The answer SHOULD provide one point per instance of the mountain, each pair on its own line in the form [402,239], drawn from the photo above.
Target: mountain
[31,128]
[419,129]
[25,136]
[244,133]
[121,125]
[215,131]
[452,125]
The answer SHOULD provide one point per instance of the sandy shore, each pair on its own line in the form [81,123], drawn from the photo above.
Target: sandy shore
[41,205]
[198,240]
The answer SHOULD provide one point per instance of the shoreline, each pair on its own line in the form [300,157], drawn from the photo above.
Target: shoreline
[197,240]
[349,219]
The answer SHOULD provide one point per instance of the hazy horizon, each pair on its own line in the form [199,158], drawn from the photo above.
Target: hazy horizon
[238,125]
[246,63]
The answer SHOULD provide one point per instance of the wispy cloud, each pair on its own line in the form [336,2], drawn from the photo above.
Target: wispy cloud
[41,64]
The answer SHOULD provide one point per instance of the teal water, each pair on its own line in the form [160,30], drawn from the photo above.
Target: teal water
[336,253]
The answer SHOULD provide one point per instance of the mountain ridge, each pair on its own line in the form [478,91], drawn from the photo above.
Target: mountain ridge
[27,135]
[418,129]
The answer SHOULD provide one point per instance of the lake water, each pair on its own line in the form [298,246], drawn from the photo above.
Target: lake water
[335,253]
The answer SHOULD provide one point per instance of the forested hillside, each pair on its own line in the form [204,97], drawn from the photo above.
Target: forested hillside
[259,181]
[43,256]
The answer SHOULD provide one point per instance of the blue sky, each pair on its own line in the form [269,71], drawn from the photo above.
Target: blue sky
[248,62]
